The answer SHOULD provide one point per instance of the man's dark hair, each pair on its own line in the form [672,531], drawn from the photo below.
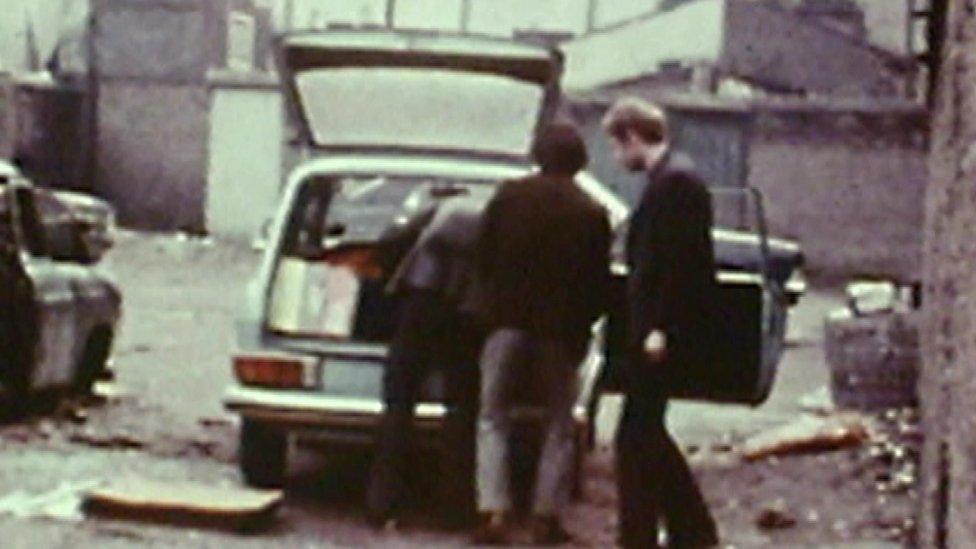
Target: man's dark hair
[632,114]
[559,149]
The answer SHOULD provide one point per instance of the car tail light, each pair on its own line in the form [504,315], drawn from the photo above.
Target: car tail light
[278,371]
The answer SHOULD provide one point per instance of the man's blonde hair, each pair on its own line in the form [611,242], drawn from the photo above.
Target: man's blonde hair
[632,114]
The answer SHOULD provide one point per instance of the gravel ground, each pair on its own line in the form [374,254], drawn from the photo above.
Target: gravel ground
[171,363]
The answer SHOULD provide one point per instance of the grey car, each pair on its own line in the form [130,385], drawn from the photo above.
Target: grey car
[392,122]
[60,312]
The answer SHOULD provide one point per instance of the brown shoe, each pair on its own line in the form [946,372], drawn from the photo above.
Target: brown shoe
[547,530]
[491,531]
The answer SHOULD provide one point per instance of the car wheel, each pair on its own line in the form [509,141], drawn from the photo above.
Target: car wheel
[263,454]
[94,360]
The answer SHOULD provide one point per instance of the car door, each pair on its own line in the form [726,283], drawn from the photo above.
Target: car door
[54,308]
[750,314]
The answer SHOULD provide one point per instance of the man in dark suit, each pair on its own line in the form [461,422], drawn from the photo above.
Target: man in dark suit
[670,294]
[545,266]
[429,265]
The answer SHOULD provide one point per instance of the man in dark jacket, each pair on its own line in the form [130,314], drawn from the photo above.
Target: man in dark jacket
[544,262]
[670,293]
[429,262]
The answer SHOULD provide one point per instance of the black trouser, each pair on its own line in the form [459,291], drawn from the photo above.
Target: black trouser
[654,481]
[429,335]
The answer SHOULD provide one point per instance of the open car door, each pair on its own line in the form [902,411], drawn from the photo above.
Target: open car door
[750,313]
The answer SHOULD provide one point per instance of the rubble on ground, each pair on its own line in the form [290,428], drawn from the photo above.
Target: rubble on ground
[808,434]
[182,503]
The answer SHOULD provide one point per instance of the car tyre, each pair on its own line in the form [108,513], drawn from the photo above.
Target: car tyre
[263,454]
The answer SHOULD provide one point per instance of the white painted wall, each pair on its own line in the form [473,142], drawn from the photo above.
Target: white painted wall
[245,159]
[48,19]
[690,33]
[497,17]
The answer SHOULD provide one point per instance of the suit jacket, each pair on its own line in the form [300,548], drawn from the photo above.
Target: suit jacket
[433,252]
[544,258]
[672,285]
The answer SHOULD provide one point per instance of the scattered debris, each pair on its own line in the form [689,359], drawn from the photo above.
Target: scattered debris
[205,448]
[72,410]
[20,435]
[107,441]
[61,503]
[874,361]
[141,349]
[808,434]
[871,297]
[819,402]
[46,429]
[185,503]
[775,518]
[77,415]
[215,422]
[108,391]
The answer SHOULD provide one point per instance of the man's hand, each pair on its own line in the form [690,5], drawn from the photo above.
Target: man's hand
[656,346]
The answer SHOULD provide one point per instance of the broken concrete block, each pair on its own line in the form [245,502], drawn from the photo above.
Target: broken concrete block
[871,297]
[819,402]
[183,503]
[774,519]
[874,361]
[107,441]
[808,434]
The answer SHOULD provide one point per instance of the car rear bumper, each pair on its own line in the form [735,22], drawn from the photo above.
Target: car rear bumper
[303,410]
[343,418]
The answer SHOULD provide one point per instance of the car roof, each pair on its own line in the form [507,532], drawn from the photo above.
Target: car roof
[448,167]
[408,165]
[419,41]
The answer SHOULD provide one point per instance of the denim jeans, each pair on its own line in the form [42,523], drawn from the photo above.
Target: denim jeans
[505,351]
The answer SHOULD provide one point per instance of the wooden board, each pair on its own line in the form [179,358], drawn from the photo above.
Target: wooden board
[184,503]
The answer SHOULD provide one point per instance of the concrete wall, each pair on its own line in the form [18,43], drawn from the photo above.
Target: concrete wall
[846,181]
[771,46]
[49,134]
[151,60]
[691,32]
[6,115]
[152,153]
[151,109]
[849,187]
[947,488]
[245,153]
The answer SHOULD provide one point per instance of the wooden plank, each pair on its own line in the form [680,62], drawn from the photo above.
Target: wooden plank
[183,503]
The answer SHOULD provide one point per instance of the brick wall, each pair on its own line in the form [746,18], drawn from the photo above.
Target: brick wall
[772,46]
[152,154]
[151,60]
[846,181]
[850,188]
